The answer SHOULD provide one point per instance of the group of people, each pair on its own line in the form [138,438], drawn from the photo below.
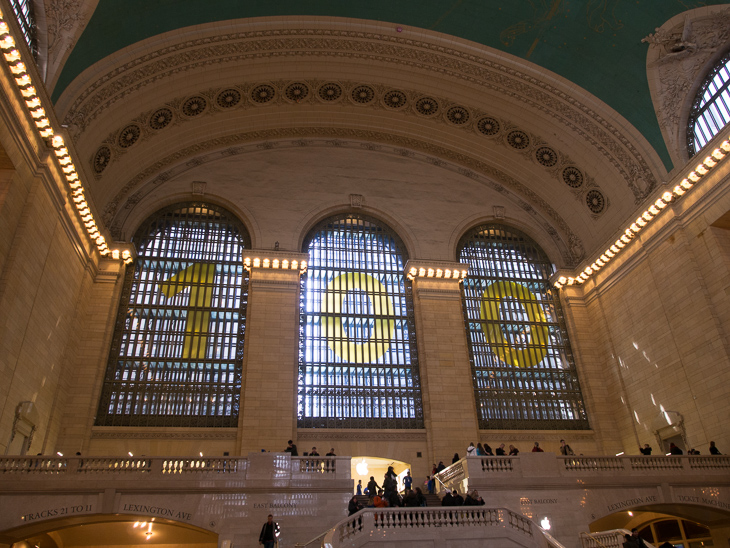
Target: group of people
[387,495]
[674,450]
[291,448]
[453,498]
[485,450]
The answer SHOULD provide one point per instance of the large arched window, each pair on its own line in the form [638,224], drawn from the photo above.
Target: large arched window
[178,343]
[524,375]
[711,108]
[358,365]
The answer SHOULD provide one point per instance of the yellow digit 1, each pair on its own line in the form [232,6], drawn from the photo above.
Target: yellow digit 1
[199,278]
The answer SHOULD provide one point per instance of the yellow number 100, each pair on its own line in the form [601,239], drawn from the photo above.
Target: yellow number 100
[199,278]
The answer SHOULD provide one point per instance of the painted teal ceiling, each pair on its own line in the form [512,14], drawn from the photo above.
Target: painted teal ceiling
[594,43]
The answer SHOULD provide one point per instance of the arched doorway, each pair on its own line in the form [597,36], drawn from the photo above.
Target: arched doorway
[99,530]
[363,467]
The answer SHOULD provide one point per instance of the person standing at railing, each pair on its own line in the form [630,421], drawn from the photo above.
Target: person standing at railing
[500,451]
[488,450]
[471,451]
[455,459]
[536,448]
[674,450]
[714,450]
[565,449]
[291,449]
[513,451]
[480,450]
[646,450]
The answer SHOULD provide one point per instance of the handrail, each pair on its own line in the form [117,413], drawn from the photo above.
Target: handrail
[319,538]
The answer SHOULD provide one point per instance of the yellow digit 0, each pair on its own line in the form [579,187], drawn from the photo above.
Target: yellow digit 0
[337,338]
[538,336]
[199,278]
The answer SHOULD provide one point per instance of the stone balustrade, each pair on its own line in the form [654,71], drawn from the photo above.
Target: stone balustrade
[477,472]
[413,526]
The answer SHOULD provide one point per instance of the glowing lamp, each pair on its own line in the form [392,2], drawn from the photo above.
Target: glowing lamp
[725,145]
[28,92]
[709,162]
[12,55]
[463,273]
[557,285]
[610,254]
[115,254]
[7,43]
[46,133]
[667,197]
[285,264]
[562,279]
[4,29]
[628,232]
[430,273]
[275,263]
[304,265]
[625,239]
[23,81]
[33,103]
[635,227]
[17,68]
[126,254]
[266,263]
[693,177]
[447,273]
[718,154]
[571,280]
[588,271]
[421,271]
[256,262]
[614,248]
[439,273]
[413,271]
[653,210]
[661,204]
[294,265]
[701,169]
[678,190]
[600,262]
[685,184]
[42,123]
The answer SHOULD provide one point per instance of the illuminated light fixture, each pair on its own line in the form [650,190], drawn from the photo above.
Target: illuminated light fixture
[61,152]
[12,56]
[17,68]
[294,264]
[256,262]
[625,239]
[4,29]
[57,141]
[647,216]
[620,244]
[653,210]
[635,227]
[718,154]
[23,81]
[304,265]
[84,211]
[59,453]
[275,263]
[619,454]
[588,271]
[709,162]
[447,272]
[562,279]
[64,161]
[285,264]
[100,240]
[701,169]
[725,145]
[430,273]
[69,169]
[571,280]
[247,261]
[628,232]
[413,271]
[115,254]
[693,177]
[421,272]
[42,123]
[7,43]
[614,248]
[46,133]
[87,217]
[439,273]
[28,92]
[126,254]
[610,254]
[463,273]
[661,204]
[678,190]
[595,267]
[33,103]
[558,285]
[104,252]
[266,263]
[600,261]
[641,222]
[78,197]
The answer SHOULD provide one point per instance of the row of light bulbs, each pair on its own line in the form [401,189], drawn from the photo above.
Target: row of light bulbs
[650,214]
[423,272]
[275,264]
[36,110]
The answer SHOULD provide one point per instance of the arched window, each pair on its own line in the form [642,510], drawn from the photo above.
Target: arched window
[711,108]
[358,365]
[26,19]
[524,375]
[178,343]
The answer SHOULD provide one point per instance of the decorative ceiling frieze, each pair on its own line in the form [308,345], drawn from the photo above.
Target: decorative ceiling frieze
[483,71]
[429,109]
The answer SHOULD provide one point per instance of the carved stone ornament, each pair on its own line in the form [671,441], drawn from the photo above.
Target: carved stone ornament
[680,53]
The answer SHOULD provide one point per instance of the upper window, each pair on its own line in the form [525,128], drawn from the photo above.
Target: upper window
[524,375]
[178,343]
[24,14]
[711,109]
[358,365]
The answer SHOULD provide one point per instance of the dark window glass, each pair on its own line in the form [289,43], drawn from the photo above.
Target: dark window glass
[667,530]
[524,375]
[711,108]
[358,364]
[695,530]
[178,345]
